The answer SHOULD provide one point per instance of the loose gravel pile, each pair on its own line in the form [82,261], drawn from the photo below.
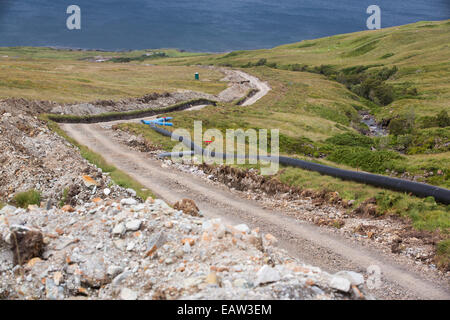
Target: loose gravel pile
[34,157]
[107,249]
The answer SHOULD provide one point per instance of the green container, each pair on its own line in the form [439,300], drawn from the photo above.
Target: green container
[197,76]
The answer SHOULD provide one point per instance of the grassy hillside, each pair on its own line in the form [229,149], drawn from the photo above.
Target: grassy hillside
[400,75]
[421,51]
[72,76]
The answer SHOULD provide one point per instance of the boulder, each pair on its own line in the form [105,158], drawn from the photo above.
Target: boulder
[355,278]
[26,244]
[267,274]
[188,206]
[340,283]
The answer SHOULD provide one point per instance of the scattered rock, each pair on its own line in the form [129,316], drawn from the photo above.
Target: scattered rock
[67,208]
[155,242]
[133,225]
[128,294]
[355,278]
[114,271]
[131,192]
[26,244]
[188,206]
[212,279]
[119,229]
[8,210]
[267,274]
[340,283]
[242,228]
[89,182]
[128,202]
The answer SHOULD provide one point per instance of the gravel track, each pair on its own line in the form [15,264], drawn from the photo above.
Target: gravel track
[303,240]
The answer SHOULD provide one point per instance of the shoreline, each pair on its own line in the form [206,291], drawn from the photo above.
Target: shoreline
[63,48]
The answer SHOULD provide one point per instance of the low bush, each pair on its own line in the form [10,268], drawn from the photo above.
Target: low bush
[351,139]
[24,199]
[443,255]
[401,126]
[302,145]
[365,159]
[440,120]
[144,57]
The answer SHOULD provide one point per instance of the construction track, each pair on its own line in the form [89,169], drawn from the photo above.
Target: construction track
[312,244]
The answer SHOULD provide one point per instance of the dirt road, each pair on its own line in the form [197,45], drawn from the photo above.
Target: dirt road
[310,243]
[262,87]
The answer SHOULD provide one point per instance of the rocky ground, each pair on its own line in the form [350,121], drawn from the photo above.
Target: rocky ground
[238,87]
[33,157]
[107,249]
[106,244]
[390,234]
[149,101]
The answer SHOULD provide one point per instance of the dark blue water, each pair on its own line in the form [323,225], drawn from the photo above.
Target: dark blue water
[198,25]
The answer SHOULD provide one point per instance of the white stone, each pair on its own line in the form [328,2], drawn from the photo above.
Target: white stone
[128,202]
[186,247]
[267,274]
[133,225]
[340,283]
[354,277]
[191,282]
[8,209]
[139,207]
[119,229]
[128,294]
[107,191]
[131,192]
[207,225]
[114,271]
[131,246]
[242,228]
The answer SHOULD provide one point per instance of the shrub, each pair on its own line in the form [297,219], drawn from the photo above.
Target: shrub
[375,90]
[351,139]
[371,85]
[261,62]
[365,159]
[326,70]
[404,141]
[385,73]
[297,67]
[296,145]
[401,126]
[306,45]
[442,119]
[443,255]
[387,55]
[361,50]
[24,199]
[140,58]
[64,197]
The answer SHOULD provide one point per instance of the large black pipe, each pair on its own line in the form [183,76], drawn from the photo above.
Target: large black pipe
[419,189]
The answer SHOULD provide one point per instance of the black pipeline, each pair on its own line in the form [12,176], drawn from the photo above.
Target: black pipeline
[419,189]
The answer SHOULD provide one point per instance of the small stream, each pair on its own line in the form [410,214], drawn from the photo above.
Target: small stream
[375,129]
